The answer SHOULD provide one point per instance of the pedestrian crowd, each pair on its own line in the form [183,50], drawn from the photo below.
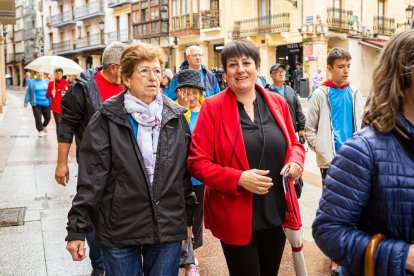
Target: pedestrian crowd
[162,156]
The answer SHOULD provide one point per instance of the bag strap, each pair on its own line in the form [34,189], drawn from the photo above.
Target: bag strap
[369,266]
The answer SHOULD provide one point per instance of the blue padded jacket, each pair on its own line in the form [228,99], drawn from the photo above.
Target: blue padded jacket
[369,189]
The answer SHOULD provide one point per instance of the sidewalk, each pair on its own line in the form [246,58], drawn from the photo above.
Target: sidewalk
[27,165]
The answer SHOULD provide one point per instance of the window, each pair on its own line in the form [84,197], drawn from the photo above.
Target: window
[155,13]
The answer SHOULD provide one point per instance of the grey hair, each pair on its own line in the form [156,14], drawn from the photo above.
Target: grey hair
[188,50]
[112,54]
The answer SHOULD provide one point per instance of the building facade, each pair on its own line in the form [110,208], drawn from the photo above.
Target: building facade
[286,31]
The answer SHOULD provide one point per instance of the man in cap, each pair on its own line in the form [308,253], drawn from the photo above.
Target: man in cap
[277,73]
[82,100]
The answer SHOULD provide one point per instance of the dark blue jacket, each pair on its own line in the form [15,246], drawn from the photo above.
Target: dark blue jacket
[369,189]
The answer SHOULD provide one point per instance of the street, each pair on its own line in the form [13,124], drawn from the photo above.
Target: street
[27,165]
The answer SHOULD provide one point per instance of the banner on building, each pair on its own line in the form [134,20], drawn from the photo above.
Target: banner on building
[7,12]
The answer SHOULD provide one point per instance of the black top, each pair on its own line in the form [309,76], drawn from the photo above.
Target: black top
[265,147]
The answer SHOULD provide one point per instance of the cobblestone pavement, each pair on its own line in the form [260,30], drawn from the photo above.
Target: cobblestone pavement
[27,165]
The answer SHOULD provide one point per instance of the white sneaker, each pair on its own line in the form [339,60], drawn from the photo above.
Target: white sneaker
[45,129]
[42,133]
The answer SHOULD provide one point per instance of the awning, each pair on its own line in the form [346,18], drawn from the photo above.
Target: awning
[375,43]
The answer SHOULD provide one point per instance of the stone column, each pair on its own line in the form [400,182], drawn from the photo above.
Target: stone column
[179,56]
[22,74]
[82,62]
[268,57]
[96,60]
[14,75]
[2,75]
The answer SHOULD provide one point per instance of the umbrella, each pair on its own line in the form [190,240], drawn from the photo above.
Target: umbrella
[292,226]
[47,64]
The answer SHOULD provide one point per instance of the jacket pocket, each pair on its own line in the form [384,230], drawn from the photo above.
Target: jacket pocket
[115,211]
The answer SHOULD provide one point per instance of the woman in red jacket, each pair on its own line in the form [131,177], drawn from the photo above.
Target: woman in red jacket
[243,142]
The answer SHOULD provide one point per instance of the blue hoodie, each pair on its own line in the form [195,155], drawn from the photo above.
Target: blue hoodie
[36,93]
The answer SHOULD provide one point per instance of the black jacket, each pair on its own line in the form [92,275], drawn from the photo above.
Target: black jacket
[295,108]
[78,106]
[113,191]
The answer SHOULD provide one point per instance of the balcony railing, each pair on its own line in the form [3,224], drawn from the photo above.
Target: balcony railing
[29,34]
[29,9]
[121,36]
[186,24]
[90,10]
[62,46]
[116,3]
[10,57]
[275,23]
[340,20]
[210,19]
[384,25]
[151,29]
[18,35]
[89,41]
[62,19]
[19,56]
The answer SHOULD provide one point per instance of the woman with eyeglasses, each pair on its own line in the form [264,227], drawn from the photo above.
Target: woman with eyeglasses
[242,144]
[133,184]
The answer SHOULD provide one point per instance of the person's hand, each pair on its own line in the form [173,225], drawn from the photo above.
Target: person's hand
[76,249]
[53,93]
[62,173]
[183,97]
[301,133]
[256,181]
[295,171]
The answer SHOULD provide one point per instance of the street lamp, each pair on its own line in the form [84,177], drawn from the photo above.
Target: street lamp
[409,14]
[101,27]
[164,13]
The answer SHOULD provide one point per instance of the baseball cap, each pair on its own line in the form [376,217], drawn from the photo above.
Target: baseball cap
[277,65]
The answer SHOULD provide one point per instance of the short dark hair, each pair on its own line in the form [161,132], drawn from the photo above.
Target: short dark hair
[58,70]
[337,53]
[239,48]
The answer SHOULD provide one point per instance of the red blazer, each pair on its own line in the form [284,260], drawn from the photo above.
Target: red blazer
[218,158]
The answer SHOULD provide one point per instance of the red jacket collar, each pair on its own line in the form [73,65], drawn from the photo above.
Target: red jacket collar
[333,85]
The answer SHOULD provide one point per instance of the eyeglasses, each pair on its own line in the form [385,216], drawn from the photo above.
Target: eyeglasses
[279,72]
[144,71]
[196,55]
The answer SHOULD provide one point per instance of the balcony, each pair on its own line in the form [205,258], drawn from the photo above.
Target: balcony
[29,34]
[151,29]
[63,46]
[29,10]
[275,23]
[91,10]
[121,36]
[118,3]
[187,24]
[91,42]
[210,19]
[384,26]
[18,35]
[19,56]
[63,19]
[340,20]
[10,58]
